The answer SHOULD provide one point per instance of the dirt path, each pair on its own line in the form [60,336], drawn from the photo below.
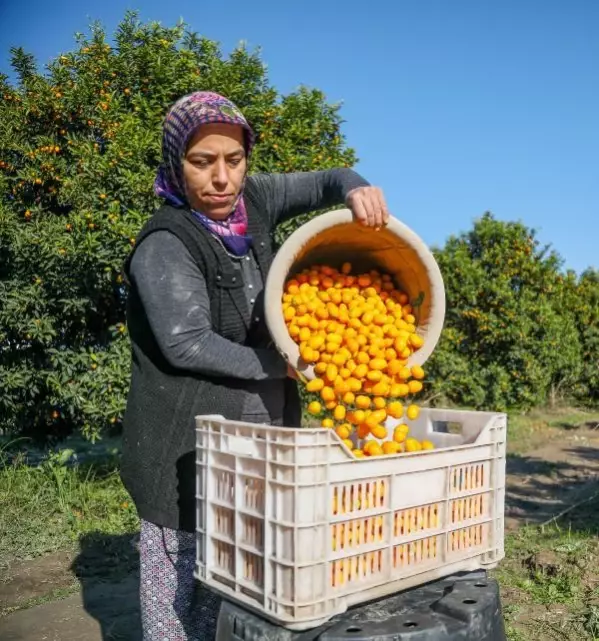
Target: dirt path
[85,595]
[102,612]
[561,471]
[74,597]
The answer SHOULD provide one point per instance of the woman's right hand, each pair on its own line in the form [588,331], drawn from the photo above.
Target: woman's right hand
[368,206]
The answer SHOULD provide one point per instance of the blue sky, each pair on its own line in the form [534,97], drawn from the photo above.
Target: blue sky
[454,106]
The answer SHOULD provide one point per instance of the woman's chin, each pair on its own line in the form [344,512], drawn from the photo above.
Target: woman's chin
[216,211]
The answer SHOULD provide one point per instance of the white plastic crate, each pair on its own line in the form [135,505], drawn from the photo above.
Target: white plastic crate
[292,526]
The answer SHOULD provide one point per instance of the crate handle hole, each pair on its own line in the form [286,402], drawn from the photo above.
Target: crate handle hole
[410,624]
[480,585]
[447,427]
[469,601]
[353,628]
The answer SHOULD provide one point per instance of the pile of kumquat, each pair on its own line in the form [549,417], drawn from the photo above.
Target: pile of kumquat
[358,332]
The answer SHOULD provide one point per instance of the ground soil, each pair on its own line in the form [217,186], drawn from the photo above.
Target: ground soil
[560,471]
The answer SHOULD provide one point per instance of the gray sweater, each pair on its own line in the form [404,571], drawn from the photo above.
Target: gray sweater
[174,294]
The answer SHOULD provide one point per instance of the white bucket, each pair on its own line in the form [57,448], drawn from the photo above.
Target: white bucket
[334,238]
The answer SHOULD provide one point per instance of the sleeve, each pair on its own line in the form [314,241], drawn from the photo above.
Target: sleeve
[289,195]
[175,298]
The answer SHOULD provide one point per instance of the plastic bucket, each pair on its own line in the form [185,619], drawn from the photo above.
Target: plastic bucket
[334,238]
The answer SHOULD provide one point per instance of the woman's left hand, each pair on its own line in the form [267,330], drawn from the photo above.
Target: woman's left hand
[368,206]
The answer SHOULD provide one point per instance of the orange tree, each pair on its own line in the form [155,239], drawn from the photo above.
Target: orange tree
[79,146]
[514,335]
[580,296]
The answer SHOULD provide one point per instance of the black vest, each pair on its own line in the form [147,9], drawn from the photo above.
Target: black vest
[158,462]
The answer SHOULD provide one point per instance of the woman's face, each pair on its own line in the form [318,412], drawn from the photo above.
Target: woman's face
[214,168]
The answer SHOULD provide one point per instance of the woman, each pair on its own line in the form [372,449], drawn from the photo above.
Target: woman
[200,344]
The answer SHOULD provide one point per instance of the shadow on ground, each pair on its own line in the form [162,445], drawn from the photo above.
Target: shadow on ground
[107,567]
[554,483]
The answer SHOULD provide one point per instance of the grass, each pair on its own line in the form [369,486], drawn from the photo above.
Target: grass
[527,431]
[49,507]
[550,580]
[550,576]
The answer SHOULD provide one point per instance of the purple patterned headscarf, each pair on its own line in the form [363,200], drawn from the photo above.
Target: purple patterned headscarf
[182,121]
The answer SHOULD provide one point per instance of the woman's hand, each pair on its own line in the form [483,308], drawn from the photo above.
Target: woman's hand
[302,376]
[368,206]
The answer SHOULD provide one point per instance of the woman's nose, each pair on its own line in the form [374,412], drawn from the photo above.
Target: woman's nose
[220,176]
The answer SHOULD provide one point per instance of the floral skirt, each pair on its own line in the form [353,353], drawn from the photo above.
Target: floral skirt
[174,607]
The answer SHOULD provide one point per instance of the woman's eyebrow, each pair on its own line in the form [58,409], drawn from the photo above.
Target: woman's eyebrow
[198,153]
[201,154]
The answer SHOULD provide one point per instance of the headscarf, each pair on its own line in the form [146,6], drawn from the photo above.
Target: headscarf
[182,121]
